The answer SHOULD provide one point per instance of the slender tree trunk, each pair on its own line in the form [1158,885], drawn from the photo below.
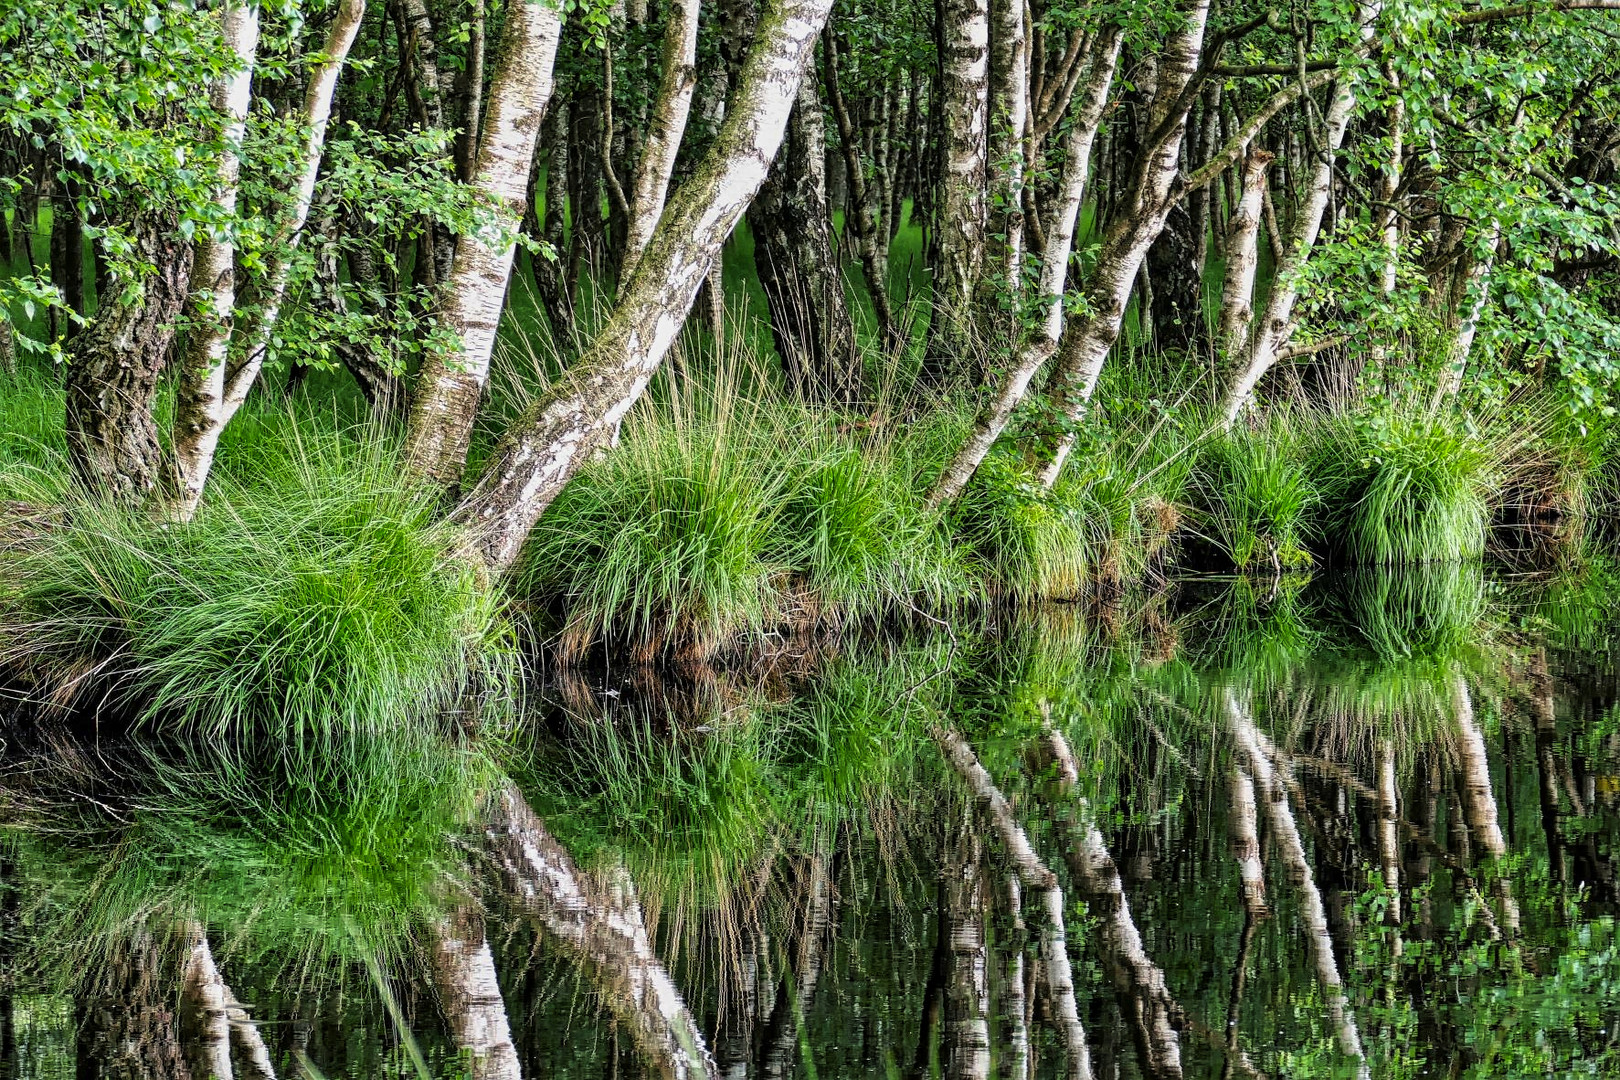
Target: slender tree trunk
[1086,343]
[1276,325]
[469,992]
[1479,797]
[1033,874]
[549,442]
[1155,1017]
[1468,304]
[1008,118]
[798,269]
[601,925]
[551,274]
[472,96]
[1243,256]
[862,218]
[1318,939]
[993,417]
[961,216]
[797,989]
[212,1022]
[211,389]
[668,124]
[448,387]
[1389,845]
[965,1033]
[114,367]
[1245,828]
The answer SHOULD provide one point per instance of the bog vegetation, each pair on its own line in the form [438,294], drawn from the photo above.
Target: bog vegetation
[343,342]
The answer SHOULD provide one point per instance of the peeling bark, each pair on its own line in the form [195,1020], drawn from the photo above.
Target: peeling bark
[448,388]
[469,993]
[559,431]
[211,390]
[600,923]
[668,123]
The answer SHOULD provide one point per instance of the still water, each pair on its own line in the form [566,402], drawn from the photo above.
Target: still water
[1363,827]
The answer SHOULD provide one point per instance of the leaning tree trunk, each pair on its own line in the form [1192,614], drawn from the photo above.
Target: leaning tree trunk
[558,432]
[798,267]
[470,996]
[1276,325]
[1141,218]
[1242,256]
[113,370]
[211,388]
[601,925]
[448,387]
[663,139]
[961,220]
[1037,347]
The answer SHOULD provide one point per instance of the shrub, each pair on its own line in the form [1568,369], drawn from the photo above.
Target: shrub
[321,599]
[1257,497]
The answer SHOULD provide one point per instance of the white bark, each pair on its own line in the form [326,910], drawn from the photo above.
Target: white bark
[470,996]
[1470,305]
[1479,798]
[1243,256]
[1276,325]
[448,388]
[1032,874]
[1086,344]
[213,267]
[674,103]
[961,226]
[210,397]
[1258,749]
[1009,116]
[1245,829]
[212,1012]
[601,924]
[1389,816]
[993,418]
[557,434]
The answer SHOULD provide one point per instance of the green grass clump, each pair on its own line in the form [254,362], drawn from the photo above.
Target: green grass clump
[1403,484]
[666,538]
[1026,542]
[730,509]
[1257,496]
[320,599]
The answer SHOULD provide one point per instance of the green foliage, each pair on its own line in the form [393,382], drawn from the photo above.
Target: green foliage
[321,598]
[1257,496]
[1404,484]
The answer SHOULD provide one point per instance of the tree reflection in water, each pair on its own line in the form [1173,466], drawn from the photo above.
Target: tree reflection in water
[1359,829]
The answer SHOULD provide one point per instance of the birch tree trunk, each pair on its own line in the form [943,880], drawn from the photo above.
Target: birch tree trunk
[601,925]
[1276,324]
[448,387]
[1318,939]
[1086,344]
[965,1033]
[1155,1016]
[1468,304]
[668,124]
[961,214]
[211,389]
[470,995]
[1479,797]
[212,1022]
[1245,828]
[1243,256]
[797,989]
[993,417]
[1008,117]
[558,432]
[1033,874]
[114,367]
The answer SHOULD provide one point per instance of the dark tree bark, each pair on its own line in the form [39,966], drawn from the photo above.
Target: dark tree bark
[126,1023]
[798,268]
[112,375]
[1173,264]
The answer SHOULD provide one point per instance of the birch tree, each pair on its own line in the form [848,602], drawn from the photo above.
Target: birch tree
[448,388]
[546,445]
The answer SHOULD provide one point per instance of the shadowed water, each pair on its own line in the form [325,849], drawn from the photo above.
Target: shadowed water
[1363,827]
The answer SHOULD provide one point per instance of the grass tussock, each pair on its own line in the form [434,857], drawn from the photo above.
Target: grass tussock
[322,598]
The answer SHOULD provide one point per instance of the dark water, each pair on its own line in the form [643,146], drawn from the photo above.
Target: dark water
[1360,828]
